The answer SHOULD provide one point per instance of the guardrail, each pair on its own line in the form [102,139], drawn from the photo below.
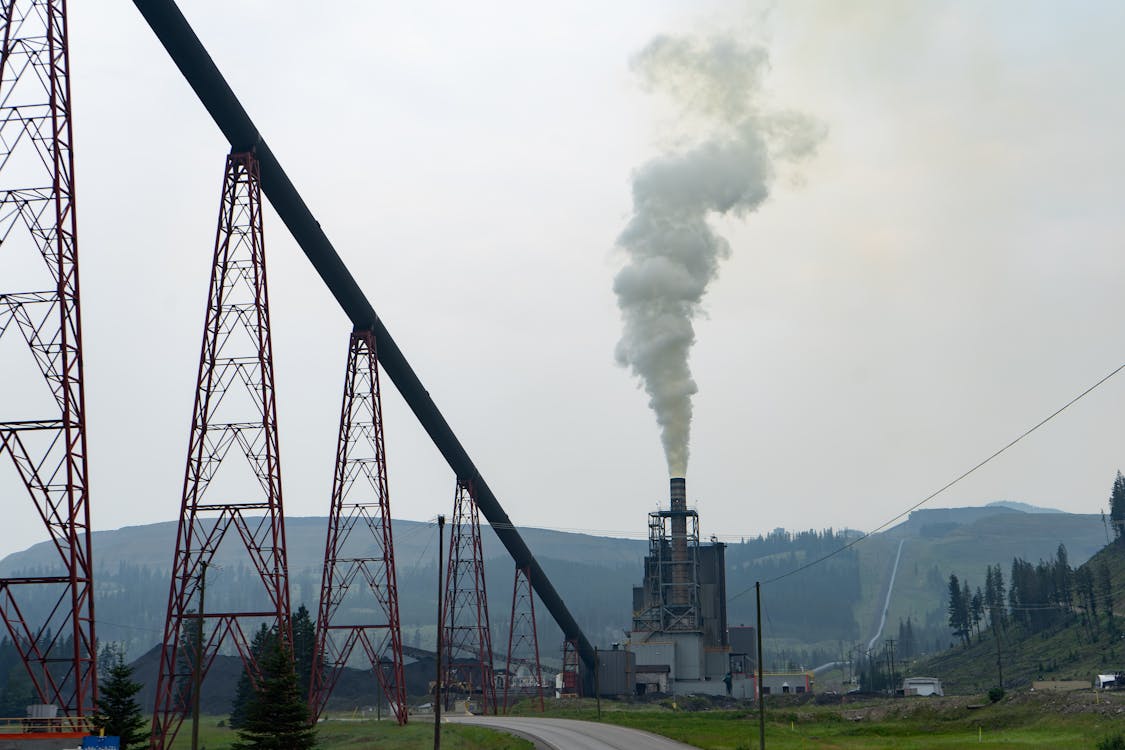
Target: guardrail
[75,725]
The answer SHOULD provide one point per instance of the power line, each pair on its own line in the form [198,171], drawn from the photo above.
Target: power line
[939,491]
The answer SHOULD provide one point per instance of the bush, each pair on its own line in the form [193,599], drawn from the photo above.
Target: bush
[997,693]
[1115,742]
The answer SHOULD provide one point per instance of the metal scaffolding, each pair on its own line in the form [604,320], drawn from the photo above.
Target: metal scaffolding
[467,638]
[48,448]
[523,646]
[234,411]
[360,549]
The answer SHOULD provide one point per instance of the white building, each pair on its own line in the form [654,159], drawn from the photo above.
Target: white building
[921,686]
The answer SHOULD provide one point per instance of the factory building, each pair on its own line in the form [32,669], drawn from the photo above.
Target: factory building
[679,636]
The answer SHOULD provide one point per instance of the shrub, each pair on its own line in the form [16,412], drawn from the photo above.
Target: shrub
[1114,742]
[997,693]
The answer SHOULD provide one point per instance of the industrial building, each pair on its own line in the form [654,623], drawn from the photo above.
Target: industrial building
[678,641]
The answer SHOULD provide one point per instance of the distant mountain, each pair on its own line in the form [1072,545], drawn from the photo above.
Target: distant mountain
[1025,507]
[595,576]
[839,601]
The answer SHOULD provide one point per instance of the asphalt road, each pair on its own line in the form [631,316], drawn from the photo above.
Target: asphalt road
[568,734]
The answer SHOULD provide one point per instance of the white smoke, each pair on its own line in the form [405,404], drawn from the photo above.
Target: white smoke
[673,254]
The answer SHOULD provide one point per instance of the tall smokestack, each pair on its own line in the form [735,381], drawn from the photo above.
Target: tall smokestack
[681,575]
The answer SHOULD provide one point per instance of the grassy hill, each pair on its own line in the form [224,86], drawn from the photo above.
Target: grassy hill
[963,541]
[1064,652]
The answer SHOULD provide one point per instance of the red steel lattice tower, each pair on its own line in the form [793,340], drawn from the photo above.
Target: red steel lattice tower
[571,685]
[234,409]
[523,641]
[48,448]
[360,550]
[468,640]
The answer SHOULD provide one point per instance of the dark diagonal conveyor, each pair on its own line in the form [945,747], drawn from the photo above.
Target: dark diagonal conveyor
[189,55]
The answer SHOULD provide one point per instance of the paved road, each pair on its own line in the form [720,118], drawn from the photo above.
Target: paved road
[568,734]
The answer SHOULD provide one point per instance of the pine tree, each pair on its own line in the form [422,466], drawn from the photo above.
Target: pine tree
[958,610]
[277,715]
[18,693]
[976,610]
[262,642]
[304,644]
[1105,587]
[1117,507]
[118,713]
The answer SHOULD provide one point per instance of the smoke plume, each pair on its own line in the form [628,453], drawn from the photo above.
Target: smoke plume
[673,253]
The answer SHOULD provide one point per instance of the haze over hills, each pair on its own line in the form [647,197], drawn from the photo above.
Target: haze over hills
[1025,507]
[823,608]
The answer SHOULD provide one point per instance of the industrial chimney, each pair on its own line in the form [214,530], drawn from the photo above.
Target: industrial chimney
[681,573]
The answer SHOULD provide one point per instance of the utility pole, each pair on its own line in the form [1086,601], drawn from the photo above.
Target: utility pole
[597,685]
[891,654]
[197,672]
[761,671]
[999,665]
[440,589]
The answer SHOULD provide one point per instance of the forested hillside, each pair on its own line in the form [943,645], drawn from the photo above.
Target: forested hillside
[1032,621]
[817,613]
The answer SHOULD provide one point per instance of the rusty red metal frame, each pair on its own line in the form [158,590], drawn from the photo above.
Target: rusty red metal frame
[467,639]
[360,547]
[234,410]
[571,684]
[49,453]
[523,641]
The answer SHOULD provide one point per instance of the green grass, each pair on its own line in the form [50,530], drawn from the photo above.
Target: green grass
[386,735]
[1022,720]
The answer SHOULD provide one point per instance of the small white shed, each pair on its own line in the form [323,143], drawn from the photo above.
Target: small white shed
[921,686]
[1105,681]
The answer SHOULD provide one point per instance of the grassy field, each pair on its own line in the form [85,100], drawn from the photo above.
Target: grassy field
[1021,720]
[341,734]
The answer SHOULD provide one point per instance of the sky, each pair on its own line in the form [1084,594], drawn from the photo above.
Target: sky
[941,274]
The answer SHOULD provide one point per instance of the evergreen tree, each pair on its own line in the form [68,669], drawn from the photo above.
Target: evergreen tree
[1105,586]
[967,607]
[262,642]
[118,713]
[1063,576]
[907,646]
[19,692]
[958,610]
[304,645]
[277,715]
[1117,507]
[976,610]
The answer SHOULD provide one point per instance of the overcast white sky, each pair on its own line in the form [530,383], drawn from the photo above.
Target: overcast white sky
[946,272]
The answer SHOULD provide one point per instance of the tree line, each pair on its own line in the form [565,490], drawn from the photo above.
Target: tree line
[1037,597]
[1043,595]
[276,712]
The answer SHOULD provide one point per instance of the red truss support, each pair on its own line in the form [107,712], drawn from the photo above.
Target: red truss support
[234,409]
[571,685]
[468,640]
[360,550]
[523,645]
[38,231]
